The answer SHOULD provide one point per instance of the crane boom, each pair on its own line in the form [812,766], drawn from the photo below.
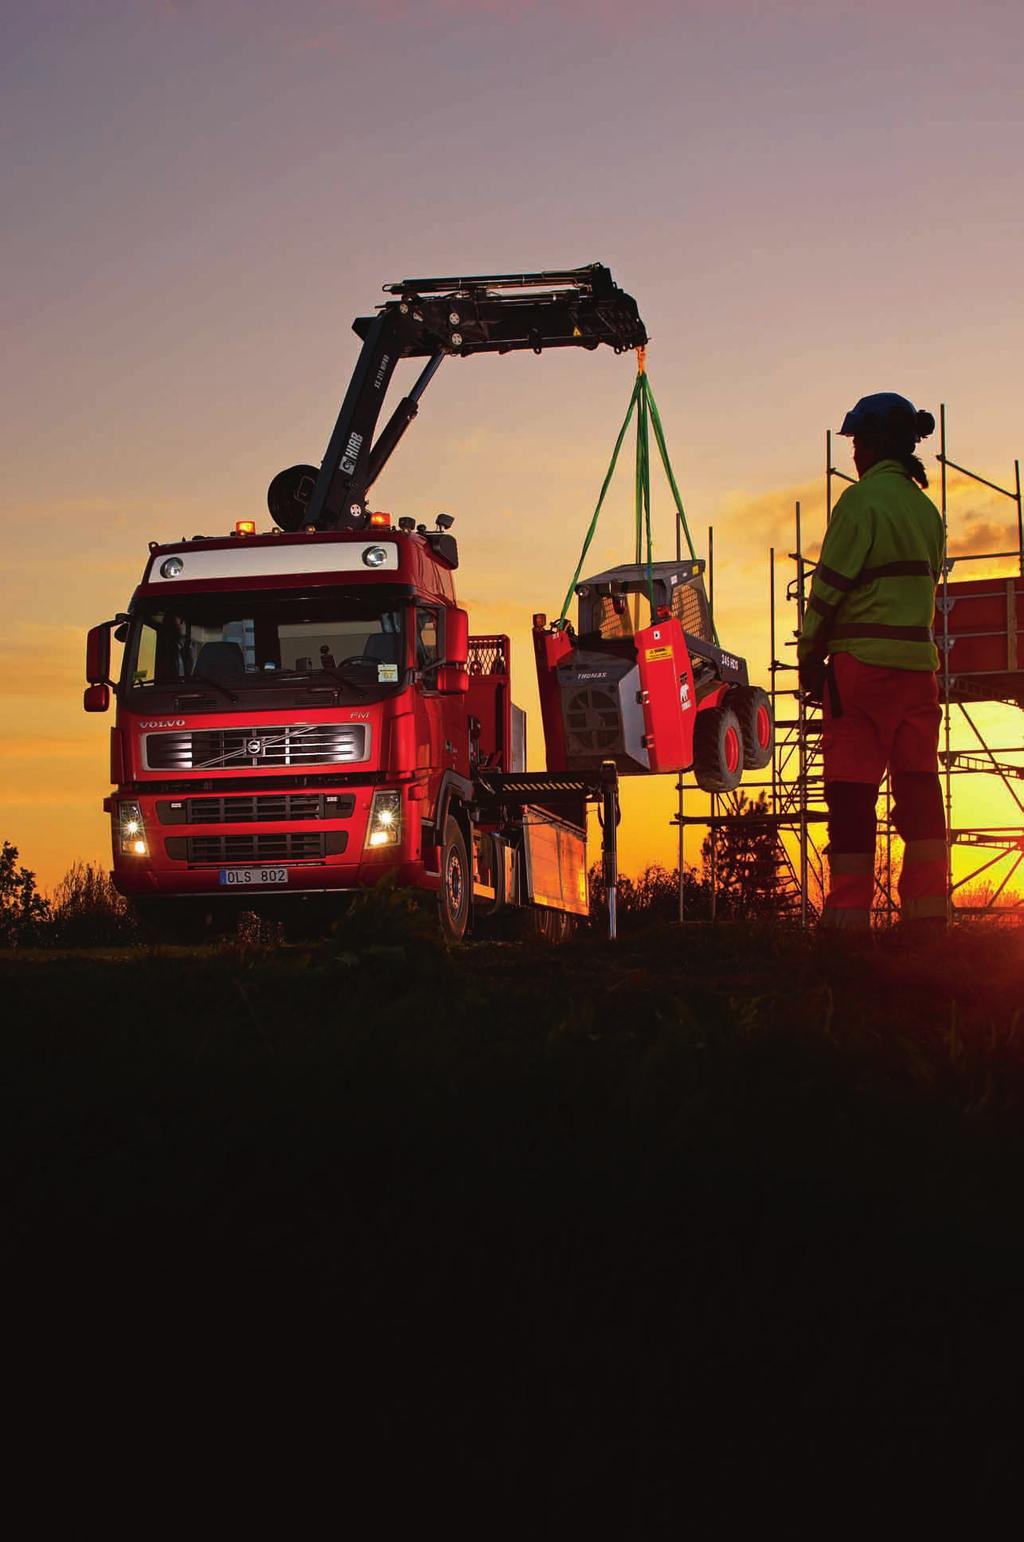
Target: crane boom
[431,319]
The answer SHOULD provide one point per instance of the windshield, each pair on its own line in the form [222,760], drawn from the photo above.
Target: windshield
[224,645]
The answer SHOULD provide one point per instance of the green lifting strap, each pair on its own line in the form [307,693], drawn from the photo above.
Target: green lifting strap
[600,502]
[646,408]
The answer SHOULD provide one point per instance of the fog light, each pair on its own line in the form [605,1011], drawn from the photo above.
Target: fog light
[375,556]
[385,827]
[131,834]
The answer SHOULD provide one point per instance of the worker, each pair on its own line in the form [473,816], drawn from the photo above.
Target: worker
[866,653]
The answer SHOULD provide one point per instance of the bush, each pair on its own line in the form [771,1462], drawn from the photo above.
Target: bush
[88,912]
[653,895]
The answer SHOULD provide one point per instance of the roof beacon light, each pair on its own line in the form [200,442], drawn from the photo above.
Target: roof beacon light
[382,519]
[245,527]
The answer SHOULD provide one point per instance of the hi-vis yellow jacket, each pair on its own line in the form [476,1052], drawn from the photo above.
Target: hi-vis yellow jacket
[873,591]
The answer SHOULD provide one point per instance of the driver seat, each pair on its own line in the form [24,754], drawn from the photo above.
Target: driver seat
[382,647]
[221,661]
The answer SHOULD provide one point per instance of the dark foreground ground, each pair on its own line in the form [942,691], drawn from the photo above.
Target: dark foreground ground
[629,1241]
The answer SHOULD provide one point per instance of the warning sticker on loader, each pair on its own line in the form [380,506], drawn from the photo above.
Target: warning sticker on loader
[651,654]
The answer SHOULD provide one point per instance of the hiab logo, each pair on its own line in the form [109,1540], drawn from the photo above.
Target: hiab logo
[351,455]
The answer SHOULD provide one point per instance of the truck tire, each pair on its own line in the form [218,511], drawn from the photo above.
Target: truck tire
[553,926]
[182,921]
[453,897]
[717,749]
[753,709]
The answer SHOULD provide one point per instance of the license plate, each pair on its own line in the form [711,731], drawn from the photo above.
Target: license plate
[246,877]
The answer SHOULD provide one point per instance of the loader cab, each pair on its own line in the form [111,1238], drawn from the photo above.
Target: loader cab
[626,685]
[615,604]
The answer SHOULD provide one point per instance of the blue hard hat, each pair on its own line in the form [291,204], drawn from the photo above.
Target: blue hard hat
[882,414]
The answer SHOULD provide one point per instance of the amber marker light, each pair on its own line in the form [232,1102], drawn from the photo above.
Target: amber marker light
[381,519]
[245,527]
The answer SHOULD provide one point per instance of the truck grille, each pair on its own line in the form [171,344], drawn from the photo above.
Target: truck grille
[289,846]
[265,809]
[298,744]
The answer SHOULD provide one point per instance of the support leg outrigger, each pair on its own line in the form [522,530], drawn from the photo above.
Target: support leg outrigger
[610,815]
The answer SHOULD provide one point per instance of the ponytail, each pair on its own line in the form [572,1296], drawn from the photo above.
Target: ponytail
[900,446]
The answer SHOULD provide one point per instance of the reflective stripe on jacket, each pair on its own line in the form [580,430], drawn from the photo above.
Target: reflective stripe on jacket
[873,591]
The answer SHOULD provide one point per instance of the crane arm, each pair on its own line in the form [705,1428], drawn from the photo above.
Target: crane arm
[431,319]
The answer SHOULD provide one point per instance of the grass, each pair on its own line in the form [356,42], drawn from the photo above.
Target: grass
[636,1233]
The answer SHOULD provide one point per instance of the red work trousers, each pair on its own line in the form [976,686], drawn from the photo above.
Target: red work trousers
[878,719]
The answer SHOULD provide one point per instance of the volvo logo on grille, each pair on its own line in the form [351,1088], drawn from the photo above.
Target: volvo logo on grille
[254,746]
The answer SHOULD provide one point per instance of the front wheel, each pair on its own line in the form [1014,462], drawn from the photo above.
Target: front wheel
[184,921]
[453,898]
[717,750]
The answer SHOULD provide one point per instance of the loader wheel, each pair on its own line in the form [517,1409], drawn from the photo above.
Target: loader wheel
[453,897]
[717,750]
[753,709]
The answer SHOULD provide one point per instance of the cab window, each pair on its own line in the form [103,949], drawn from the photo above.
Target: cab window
[427,637]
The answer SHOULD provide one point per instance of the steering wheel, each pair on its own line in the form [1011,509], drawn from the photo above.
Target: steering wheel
[359,658]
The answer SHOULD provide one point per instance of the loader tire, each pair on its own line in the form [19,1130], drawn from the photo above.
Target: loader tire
[454,896]
[753,709]
[717,750]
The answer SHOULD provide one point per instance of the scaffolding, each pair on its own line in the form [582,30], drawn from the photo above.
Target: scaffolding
[980,627]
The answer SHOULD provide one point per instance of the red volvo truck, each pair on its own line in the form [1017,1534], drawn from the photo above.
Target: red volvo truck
[302,711]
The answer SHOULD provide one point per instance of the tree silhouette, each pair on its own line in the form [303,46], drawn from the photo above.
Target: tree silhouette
[750,868]
[23,910]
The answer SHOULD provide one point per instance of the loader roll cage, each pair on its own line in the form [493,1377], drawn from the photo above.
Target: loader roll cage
[432,318]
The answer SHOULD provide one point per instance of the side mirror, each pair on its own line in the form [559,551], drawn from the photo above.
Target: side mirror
[96,698]
[456,638]
[451,680]
[97,656]
[453,675]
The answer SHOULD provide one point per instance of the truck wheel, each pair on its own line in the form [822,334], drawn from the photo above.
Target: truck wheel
[553,926]
[753,709]
[182,921]
[453,895]
[717,750]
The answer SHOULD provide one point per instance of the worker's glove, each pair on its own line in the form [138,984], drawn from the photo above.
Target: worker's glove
[812,680]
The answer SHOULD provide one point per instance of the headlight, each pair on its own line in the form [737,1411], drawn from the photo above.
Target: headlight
[130,830]
[385,827]
[172,567]
[375,556]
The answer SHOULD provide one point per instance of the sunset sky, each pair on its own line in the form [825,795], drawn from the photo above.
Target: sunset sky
[810,201]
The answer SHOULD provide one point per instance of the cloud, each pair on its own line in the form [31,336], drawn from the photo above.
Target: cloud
[41,661]
[982,536]
[768,518]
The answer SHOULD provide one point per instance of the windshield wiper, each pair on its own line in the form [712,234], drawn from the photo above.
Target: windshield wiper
[335,673]
[206,680]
